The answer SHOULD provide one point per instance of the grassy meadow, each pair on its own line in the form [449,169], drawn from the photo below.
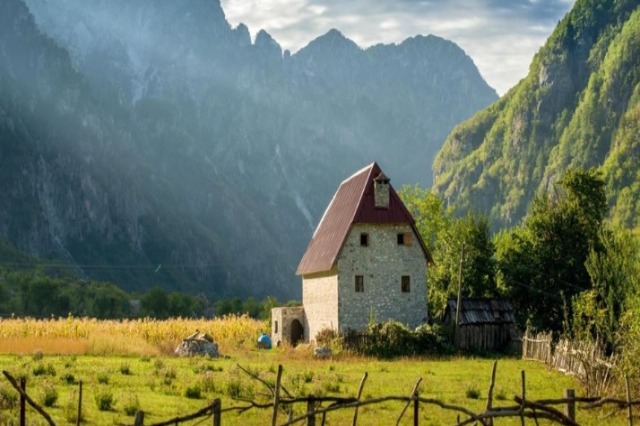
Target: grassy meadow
[128,365]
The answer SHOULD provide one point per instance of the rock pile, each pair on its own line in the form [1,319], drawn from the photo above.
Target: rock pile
[198,344]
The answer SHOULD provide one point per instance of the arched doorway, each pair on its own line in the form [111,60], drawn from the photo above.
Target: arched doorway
[297,332]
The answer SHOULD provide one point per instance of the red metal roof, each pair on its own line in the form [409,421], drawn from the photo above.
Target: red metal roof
[352,203]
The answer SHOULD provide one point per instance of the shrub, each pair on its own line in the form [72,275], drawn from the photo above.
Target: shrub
[41,369]
[103,378]
[331,387]
[49,396]
[326,336]
[392,339]
[472,393]
[307,376]
[68,378]
[193,392]
[105,400]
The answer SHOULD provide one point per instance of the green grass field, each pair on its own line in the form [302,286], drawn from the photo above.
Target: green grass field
[159,386]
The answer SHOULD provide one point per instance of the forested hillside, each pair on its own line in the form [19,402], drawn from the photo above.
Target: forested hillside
[579,106]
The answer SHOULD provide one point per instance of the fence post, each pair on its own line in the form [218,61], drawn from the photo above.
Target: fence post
[311,408]
[139,421]
[79,417]
[216,409]
[570,408]
[630,411]
[360,389]
[416,408]
[23,386]
[276,396]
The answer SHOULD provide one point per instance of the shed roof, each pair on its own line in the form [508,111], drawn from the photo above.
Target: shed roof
[481,311]
[352,203]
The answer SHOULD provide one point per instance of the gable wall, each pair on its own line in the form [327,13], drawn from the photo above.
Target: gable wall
[382,263]
[320,301]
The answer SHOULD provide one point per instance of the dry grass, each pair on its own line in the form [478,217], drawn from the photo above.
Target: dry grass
[144,336]
[61,345]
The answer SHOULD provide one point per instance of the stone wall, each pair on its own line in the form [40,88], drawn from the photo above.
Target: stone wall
[320,299]
[281,320]
[382,263]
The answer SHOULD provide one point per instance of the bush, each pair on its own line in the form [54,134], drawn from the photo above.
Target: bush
[68,378]
[392,339]
[49,396]
[41,370]
[472,393]
[193,392]
[103,378]
[105,400]
[326,336]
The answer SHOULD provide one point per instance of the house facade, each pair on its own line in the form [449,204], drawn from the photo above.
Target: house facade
[365,262]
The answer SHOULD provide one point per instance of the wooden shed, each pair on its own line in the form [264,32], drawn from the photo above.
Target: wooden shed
[485,324]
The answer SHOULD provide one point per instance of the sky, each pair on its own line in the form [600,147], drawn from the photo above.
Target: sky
[501,36]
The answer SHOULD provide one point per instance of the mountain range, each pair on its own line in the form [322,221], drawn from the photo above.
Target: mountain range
[149,143]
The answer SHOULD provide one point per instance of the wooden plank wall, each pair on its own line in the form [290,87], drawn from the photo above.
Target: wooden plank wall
[484,337]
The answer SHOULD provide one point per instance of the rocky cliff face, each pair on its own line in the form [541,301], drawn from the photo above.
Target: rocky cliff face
[578,107]
[155,145]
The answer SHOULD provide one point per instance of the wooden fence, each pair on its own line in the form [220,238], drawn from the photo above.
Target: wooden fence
[585,360]
[315,411]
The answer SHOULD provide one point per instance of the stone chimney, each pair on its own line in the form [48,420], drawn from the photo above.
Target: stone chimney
[381,191]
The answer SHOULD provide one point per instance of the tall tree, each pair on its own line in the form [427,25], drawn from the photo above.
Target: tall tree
[615,277]
[444,235]
[545,266]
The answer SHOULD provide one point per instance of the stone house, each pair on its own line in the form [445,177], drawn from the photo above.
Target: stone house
[366,261]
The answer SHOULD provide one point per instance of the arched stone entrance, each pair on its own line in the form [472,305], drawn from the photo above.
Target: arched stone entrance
[287,324]
[297,332]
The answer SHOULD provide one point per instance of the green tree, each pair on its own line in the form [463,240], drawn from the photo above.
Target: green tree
[155,303]
[615,277]
[106,301]
[444,236]
[543,265]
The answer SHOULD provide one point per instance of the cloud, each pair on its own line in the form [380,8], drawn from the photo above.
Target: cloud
[501,36]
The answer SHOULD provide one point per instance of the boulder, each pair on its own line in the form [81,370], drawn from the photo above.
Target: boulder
[322,352]
[198,345]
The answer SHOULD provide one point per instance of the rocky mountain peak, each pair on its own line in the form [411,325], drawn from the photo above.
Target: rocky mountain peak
[332,40]
[265,42]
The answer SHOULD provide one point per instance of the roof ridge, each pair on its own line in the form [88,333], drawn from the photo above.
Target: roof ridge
[371,166]
[358,173]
